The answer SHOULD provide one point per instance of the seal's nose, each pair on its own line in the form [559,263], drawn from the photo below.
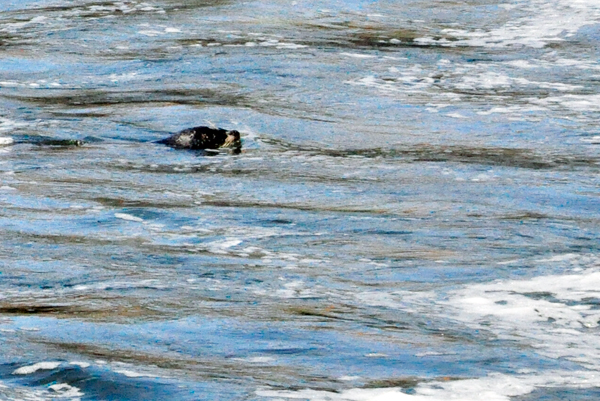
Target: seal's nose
[235,134]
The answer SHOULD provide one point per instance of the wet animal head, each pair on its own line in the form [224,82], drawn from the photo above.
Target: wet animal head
[233,140]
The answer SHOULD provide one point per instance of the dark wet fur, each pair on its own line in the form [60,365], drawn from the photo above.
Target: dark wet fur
[198,138]
[47,141]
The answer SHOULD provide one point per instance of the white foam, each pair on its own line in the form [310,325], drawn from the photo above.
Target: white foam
[433,353]
[494,387]
[555,326]
[9,125]
[349,378]
[127,370]
[521,64]
[26,370]
[222,246]
[123,77]
[512,110]
[258,359]
[546,22]
[387,394]
[595,140]
[456,115]
[405,80]
[553,314]
[15,392]
[29,328]
[13,27]
[65,391]
[573,102]
[290,46]
[82,365]
[150,32]
[550,313]
[560,258]
[129,217]
[357,55]
[130,373]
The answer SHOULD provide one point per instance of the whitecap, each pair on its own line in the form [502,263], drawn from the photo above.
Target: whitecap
[349,378]
[26,370]
[129,217]
[376,355]
[130,373]
[150,33]
[80,364]
[222,246]
[65,390]
[357,55]
[290,46]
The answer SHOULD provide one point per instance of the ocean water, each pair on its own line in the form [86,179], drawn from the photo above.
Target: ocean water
[415,214]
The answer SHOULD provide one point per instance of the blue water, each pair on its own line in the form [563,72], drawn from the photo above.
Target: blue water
[415,209]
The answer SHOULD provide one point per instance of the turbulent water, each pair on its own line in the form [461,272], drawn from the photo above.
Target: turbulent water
[415,214]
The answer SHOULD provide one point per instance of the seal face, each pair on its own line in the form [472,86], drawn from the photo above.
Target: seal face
[198,138]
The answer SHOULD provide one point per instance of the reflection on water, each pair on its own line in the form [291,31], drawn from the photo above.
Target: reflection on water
[414,214]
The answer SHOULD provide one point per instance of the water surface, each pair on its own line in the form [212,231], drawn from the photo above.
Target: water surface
[414,215]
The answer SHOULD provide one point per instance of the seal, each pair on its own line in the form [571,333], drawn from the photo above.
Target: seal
[198,138]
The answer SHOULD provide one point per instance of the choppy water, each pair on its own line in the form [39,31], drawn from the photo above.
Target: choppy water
[415,214]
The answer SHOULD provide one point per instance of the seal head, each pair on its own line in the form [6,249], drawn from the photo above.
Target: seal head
[198,138]
[233,140]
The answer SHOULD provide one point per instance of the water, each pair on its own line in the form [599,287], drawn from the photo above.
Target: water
[414,216]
